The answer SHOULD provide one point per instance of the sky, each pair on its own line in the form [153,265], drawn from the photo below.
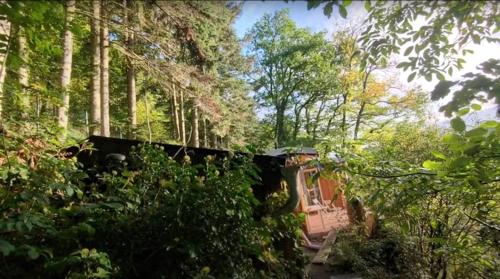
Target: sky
[316,21]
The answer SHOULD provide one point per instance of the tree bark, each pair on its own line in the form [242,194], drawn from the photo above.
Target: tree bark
[280,126]
[175,112]
[308,121]
[183,121]
[23,73]
[358,119]
[213,137]
[296,124]
[5,32]
[95,100]
[363,104]
[195,135]
[343,125]
[62,111]
[131,89]
[104,43]
[317,120]
[205,136]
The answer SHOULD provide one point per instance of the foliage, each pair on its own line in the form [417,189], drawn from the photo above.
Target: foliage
[385,255]
[448,210]
[285,59]
[154,217]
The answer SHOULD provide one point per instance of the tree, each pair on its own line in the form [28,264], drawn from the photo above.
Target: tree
[131,86]
[281,52]
[62,111]
[95,97]
[104,55]
[449,206]
[4,50]
[23,72]
[195,136]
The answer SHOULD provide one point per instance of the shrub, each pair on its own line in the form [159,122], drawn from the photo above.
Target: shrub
[159,219]
[385,255]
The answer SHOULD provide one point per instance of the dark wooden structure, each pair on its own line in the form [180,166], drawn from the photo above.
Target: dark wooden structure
[269,166]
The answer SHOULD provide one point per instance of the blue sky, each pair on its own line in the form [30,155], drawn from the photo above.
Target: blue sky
[313,19]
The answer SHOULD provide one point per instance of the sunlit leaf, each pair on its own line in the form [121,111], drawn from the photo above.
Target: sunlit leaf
[457,124]
[411,76]
[342,11]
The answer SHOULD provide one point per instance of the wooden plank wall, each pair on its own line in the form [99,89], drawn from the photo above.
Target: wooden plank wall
[329,188]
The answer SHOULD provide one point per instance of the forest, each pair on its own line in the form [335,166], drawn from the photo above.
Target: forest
[177,72]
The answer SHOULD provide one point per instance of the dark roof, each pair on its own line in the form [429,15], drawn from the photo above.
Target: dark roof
[292,151]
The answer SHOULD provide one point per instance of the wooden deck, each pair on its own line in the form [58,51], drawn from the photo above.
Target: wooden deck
[321,221]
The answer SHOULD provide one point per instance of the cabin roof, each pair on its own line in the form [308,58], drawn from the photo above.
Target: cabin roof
[292,151]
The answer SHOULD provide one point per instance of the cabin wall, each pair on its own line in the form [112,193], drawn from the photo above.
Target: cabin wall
[330,190]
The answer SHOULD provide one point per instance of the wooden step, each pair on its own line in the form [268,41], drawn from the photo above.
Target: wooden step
[325,250]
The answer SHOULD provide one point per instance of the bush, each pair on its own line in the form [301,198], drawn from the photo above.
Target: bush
[160,219]
[385,255]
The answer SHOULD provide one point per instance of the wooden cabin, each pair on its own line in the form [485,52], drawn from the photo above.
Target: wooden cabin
[321,200]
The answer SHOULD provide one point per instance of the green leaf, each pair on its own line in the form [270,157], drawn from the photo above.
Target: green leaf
[476,133]
[438,155]
[459,162]
[408,51]
[368,5]
[431,165]
[452,139]
[490,124]
[327,10]
[463,111]
[33,253]
[101,273]
[84,253]
[457,124]
[411,76]
[311,4]
[476,107]
[342,11]
[476,39]
[440,76]
[346,3]
[6,248]
[442,89]
[434,223]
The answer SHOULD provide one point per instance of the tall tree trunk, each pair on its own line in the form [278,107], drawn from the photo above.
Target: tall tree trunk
[104,71]
[131,90]
[62,111]
[317,119]
[175,112]
[213,137]
[205,136]
[363,104]
[23,73]
[95,100]
[296,124]
[308,121]
[4,32]
[343,125]
[280,126]
[332,117]
[358,119]
[183,120]
[195,135]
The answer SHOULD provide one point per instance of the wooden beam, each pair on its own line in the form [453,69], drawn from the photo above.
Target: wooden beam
[325,250]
